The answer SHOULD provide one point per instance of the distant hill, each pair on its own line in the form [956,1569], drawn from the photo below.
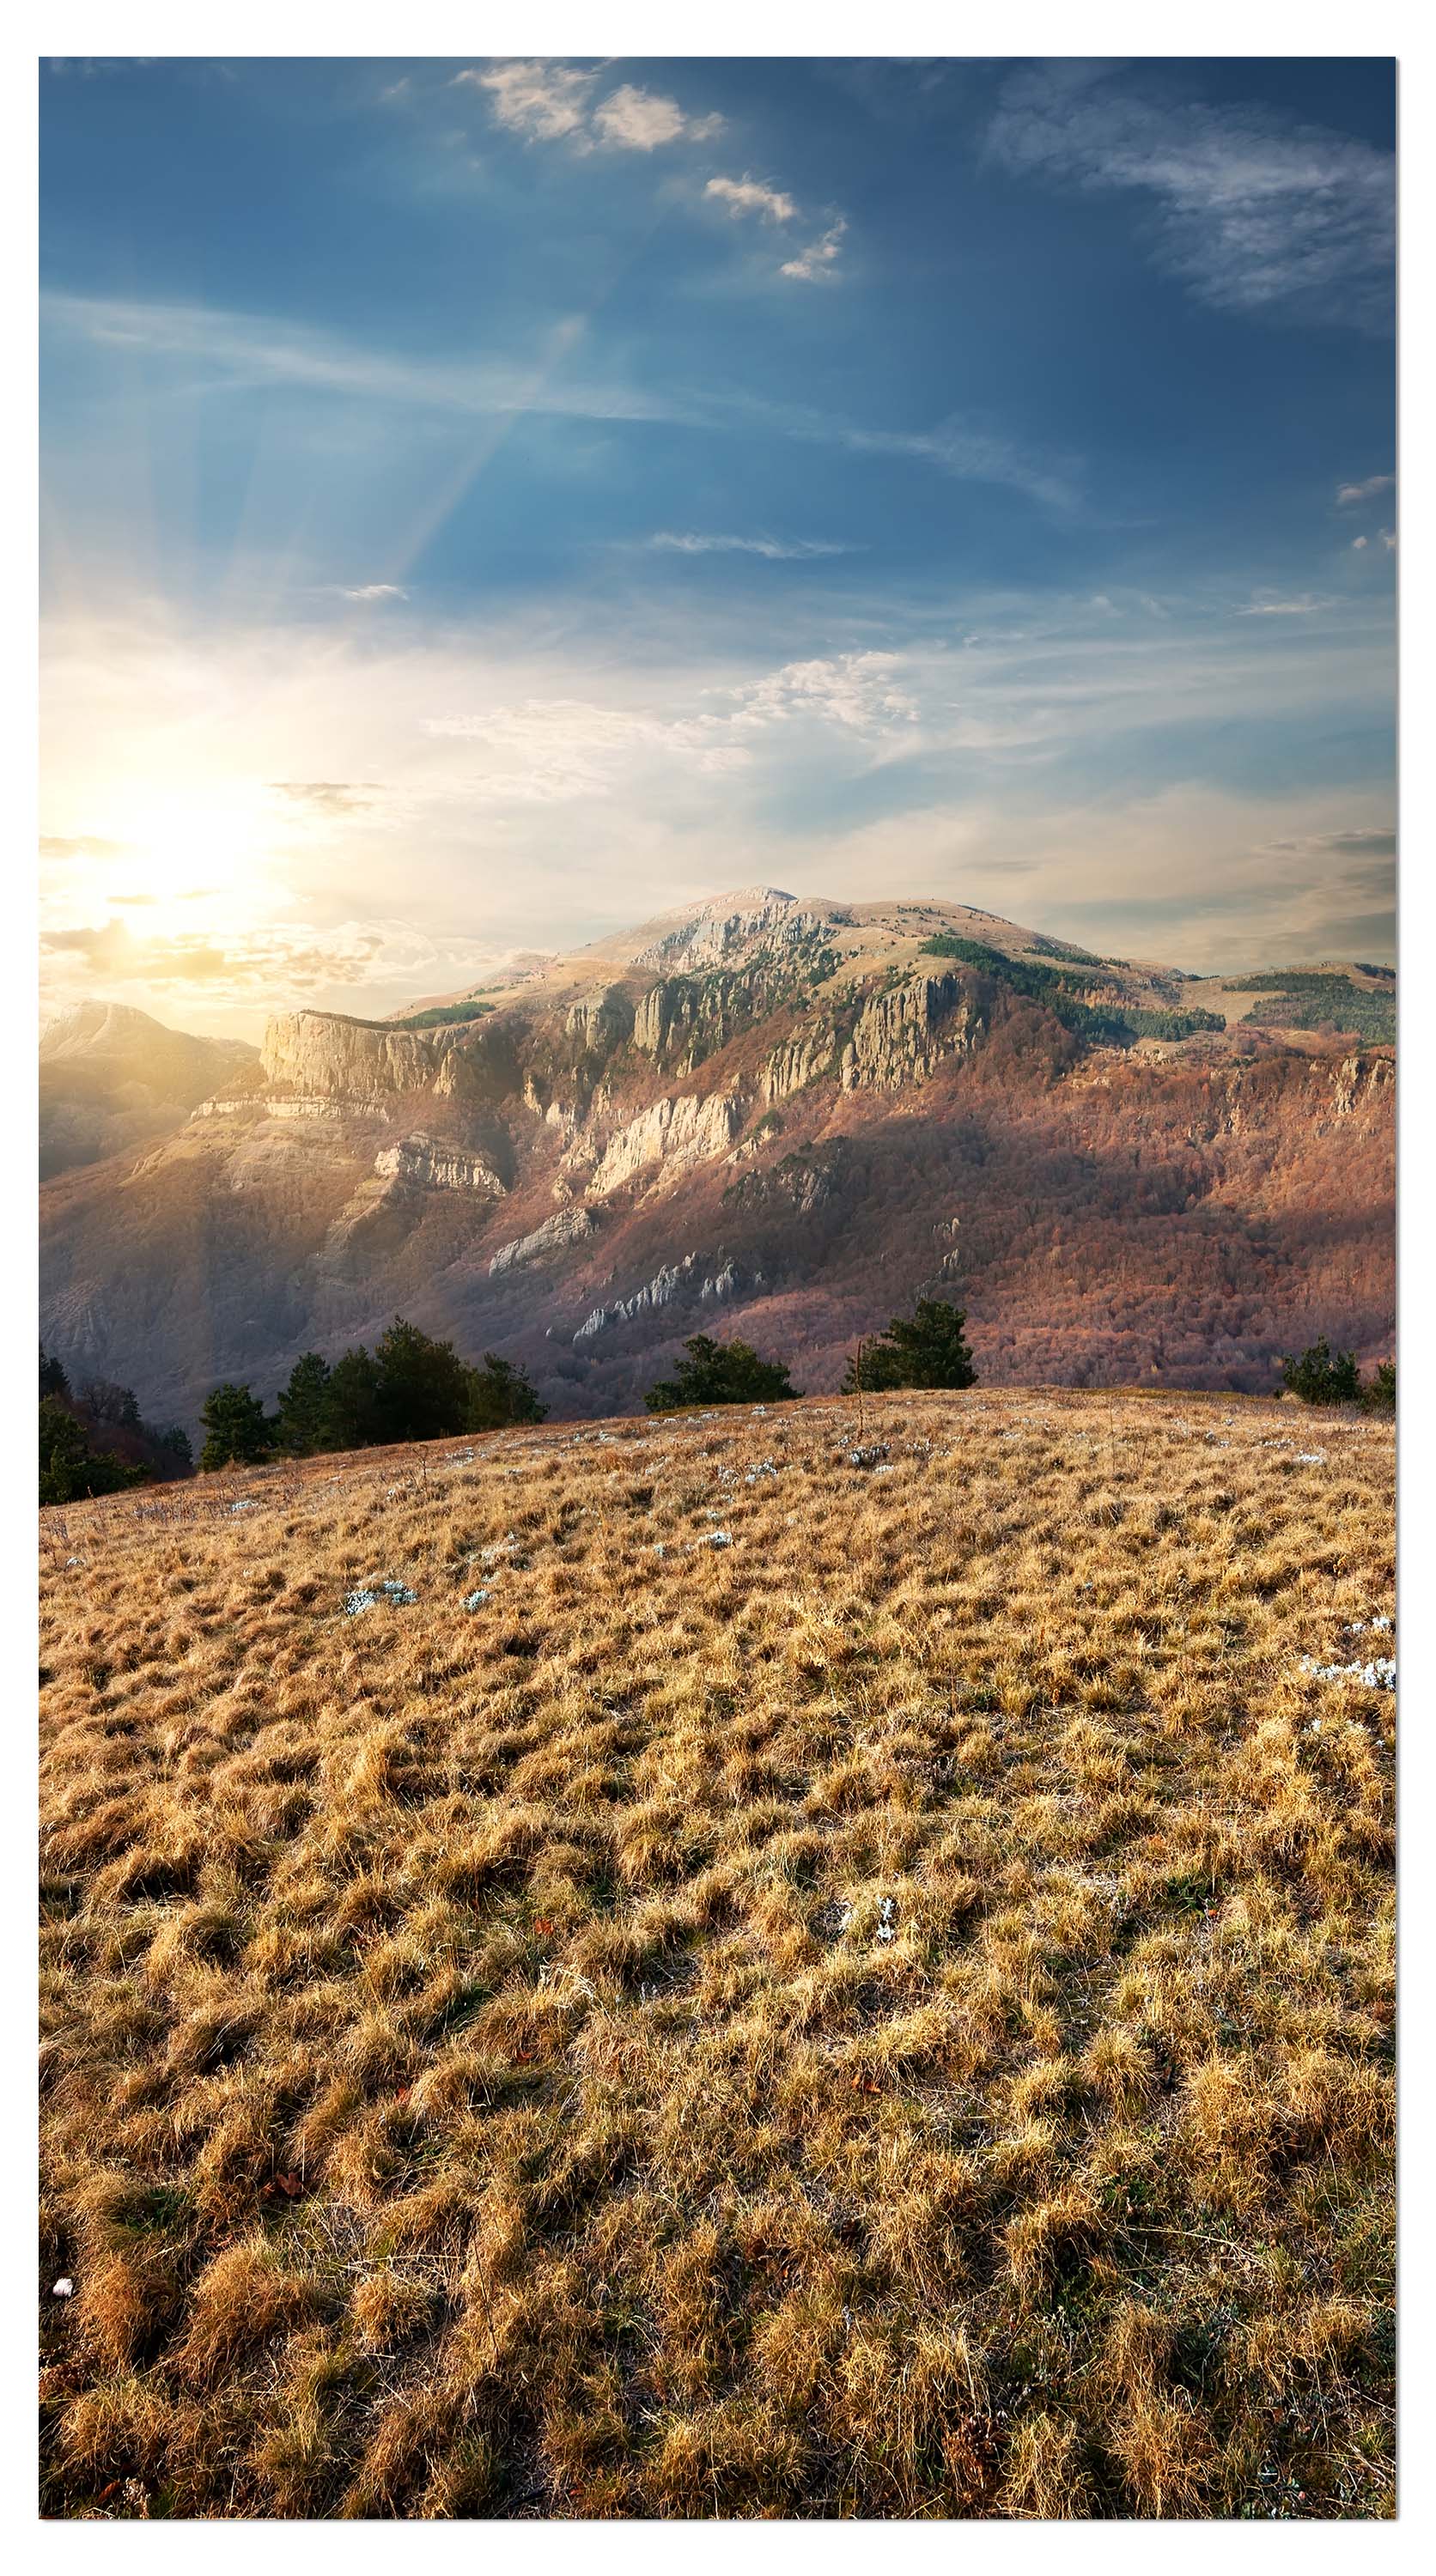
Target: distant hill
[112,1079]
[773,1112]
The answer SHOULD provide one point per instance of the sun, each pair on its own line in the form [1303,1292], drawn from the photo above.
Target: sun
[196,857]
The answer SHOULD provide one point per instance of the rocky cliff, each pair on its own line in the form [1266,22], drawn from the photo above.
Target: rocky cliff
[792,1113]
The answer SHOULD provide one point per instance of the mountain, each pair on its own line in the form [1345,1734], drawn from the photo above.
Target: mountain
[780,1114]
[112,1079]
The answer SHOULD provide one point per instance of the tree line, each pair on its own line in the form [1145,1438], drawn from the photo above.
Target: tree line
[1320,1375]
[95,1442]
[409,1387]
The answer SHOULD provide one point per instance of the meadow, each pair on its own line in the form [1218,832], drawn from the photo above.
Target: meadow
[789,1963]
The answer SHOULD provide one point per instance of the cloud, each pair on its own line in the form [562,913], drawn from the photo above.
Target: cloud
[1388,539]
[1356,544]
[83,846]
[1375,842]
[551,102]
[638,120]
[858,692]
[1351,493]
[747,196]
[1267,603]
[544,101]
[374,590]
[773,549]
[328,795]
[1255,213]
[246,350]
[820,256]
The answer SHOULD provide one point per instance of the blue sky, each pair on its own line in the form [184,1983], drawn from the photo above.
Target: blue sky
[488,502]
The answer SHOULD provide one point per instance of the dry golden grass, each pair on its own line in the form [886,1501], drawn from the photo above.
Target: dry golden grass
[891,2016]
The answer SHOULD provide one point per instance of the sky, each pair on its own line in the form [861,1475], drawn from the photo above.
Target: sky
[487,503]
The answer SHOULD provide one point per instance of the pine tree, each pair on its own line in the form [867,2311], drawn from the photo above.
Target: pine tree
[499,1393]
[423,1389]
[926,1348]
[1318,1378]
[53,1380]
[70,1470]
[351,1402]
[237,1430]
[721,1373]
[301,1407]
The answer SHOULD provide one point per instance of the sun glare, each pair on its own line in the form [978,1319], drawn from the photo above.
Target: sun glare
[194,857]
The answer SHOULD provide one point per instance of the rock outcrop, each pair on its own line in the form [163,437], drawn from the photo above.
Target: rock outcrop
[423,1162]
[321,1055]
[675,1133]
[554,1235]
[899,1035]
[793,1066]
[659,1291]
[602,1022]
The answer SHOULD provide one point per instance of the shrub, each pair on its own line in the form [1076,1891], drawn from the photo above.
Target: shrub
[926,1348]
[1378,1395]
[70,1470]
[721,1373]
[238,1432]
[1318,1378]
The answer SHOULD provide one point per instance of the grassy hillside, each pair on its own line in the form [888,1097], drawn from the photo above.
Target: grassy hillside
[813,1968]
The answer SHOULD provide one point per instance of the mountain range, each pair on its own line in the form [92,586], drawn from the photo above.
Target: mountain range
[766,1113]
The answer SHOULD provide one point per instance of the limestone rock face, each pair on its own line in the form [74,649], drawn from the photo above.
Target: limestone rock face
[1360,1079]
[317,1055]
[655,1292]
[732,926]
[603,1022]
[675,1133]
[792,1067]
[899,1035]
[556,1232]
[422,1162]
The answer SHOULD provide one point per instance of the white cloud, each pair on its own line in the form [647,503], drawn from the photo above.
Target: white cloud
[374,590]
[1350,493]
[747,196]
[859,692]
[1268,603]
[1254,213]
[551,102]
[1357,544]
[819,257]
[638,120]
[1026,759]
[544,101]
[775,549]
[1388,539]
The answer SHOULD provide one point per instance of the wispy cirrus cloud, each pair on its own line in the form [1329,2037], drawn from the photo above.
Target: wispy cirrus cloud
[773,549]
[370,593]
[821,256]
[1351,494]
[235,350]
[1258,215]
[769,205]
[327,795]
[1269,603]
